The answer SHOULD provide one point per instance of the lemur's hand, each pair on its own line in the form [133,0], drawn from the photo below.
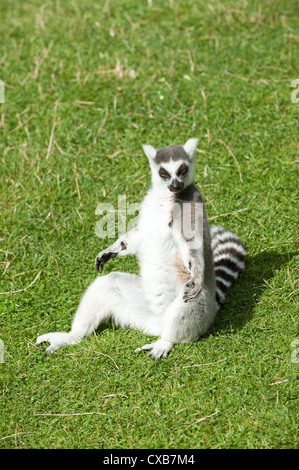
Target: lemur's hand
[103,257]
[119,248]
[192,289]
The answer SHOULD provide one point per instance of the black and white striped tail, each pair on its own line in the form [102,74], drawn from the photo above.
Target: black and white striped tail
[229,260]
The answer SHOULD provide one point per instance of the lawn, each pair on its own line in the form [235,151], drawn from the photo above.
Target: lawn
[86,84]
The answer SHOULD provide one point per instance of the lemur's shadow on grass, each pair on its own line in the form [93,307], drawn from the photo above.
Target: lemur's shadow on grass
[245,294]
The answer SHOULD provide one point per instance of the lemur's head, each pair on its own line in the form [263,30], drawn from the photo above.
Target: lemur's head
[172,167]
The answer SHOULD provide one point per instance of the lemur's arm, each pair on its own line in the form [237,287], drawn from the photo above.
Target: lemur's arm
[127,244]
[189,235]
[194,285]
[193,260]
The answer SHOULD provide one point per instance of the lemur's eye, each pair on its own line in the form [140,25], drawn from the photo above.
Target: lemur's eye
[163,173]
[182,170]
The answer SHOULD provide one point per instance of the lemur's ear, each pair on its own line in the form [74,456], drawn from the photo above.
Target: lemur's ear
[190,147]
[149,151]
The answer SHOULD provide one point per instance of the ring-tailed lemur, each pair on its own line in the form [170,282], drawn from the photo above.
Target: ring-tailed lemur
[186,266]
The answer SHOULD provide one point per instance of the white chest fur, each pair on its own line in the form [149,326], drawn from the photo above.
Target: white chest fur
[157,250]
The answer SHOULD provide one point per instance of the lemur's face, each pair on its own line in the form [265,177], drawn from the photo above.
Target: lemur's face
[176,175]
[172,167]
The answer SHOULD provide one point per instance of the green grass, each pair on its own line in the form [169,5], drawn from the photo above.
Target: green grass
[123,73]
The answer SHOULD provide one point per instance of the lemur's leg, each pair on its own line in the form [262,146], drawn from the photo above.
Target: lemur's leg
[182,322]
[169,333]
[117,297]
[127,244]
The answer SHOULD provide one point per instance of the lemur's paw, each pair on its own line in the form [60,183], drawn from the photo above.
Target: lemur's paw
[102,258]
[158,350]
[56,340]
[192,290]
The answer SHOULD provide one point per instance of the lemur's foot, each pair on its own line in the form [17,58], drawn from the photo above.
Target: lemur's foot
[103,257]
[192,290]
[56,340]
[159,349]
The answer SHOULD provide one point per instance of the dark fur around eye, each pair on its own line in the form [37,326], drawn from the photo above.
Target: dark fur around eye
[164,174]
[182,170]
